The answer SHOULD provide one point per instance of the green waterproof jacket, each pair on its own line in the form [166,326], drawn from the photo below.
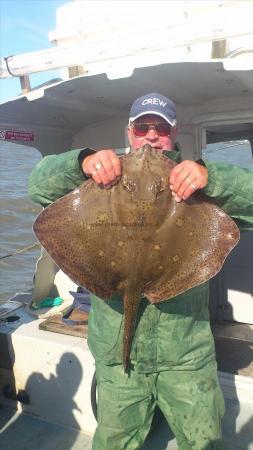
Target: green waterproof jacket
[172,335]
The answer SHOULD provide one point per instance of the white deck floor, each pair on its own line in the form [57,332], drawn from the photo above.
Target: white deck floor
[23,432]
[57,379]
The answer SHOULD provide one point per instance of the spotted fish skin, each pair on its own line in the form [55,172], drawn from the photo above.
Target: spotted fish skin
[134,239]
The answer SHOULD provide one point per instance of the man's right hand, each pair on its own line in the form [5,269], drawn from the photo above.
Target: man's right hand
[103,166]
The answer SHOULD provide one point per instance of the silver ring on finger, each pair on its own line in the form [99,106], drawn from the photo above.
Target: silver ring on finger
[191,183]
[98,165]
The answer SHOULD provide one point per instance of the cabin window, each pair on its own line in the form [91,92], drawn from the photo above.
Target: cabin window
[231,289]
[236,152]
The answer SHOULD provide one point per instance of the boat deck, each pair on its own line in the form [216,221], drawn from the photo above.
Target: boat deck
[234,347]
[24,432]
[55,394]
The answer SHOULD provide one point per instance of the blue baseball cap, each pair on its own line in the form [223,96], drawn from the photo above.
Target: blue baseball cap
[154,104]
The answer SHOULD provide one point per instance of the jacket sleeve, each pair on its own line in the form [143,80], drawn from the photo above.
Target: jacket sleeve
[231,188]
[57,175]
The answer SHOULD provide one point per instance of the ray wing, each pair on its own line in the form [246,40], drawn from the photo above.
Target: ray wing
[195,241]
[70,229]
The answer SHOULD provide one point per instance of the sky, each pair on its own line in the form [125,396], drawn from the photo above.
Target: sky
[24,27]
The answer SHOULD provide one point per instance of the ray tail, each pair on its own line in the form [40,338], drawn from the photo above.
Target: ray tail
[131,306]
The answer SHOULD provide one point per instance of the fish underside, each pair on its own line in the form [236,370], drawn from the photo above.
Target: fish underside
[134,239]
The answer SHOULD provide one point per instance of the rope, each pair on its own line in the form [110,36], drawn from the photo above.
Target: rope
[230,145]
[227,146]
[22,250]
[7,65]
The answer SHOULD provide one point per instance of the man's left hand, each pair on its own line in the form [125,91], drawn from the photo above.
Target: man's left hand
[186,178]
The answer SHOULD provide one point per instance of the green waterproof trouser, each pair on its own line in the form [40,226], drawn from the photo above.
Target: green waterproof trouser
[191,401]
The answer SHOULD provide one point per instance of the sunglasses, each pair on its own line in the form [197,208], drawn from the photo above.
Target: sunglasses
[161,128]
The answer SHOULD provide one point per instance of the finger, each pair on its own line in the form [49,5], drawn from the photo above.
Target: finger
[101,175]
[90,165]
[187,188]
[111,168]
[117,165]
[103,157]
[112,183]
[179,179]
[174,173]
[188,192]
[96,177]
[108,166]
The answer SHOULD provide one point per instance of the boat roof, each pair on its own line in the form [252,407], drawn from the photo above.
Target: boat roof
[62,108]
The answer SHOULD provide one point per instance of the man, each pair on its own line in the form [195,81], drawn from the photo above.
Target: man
[152,121]
[173,357]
